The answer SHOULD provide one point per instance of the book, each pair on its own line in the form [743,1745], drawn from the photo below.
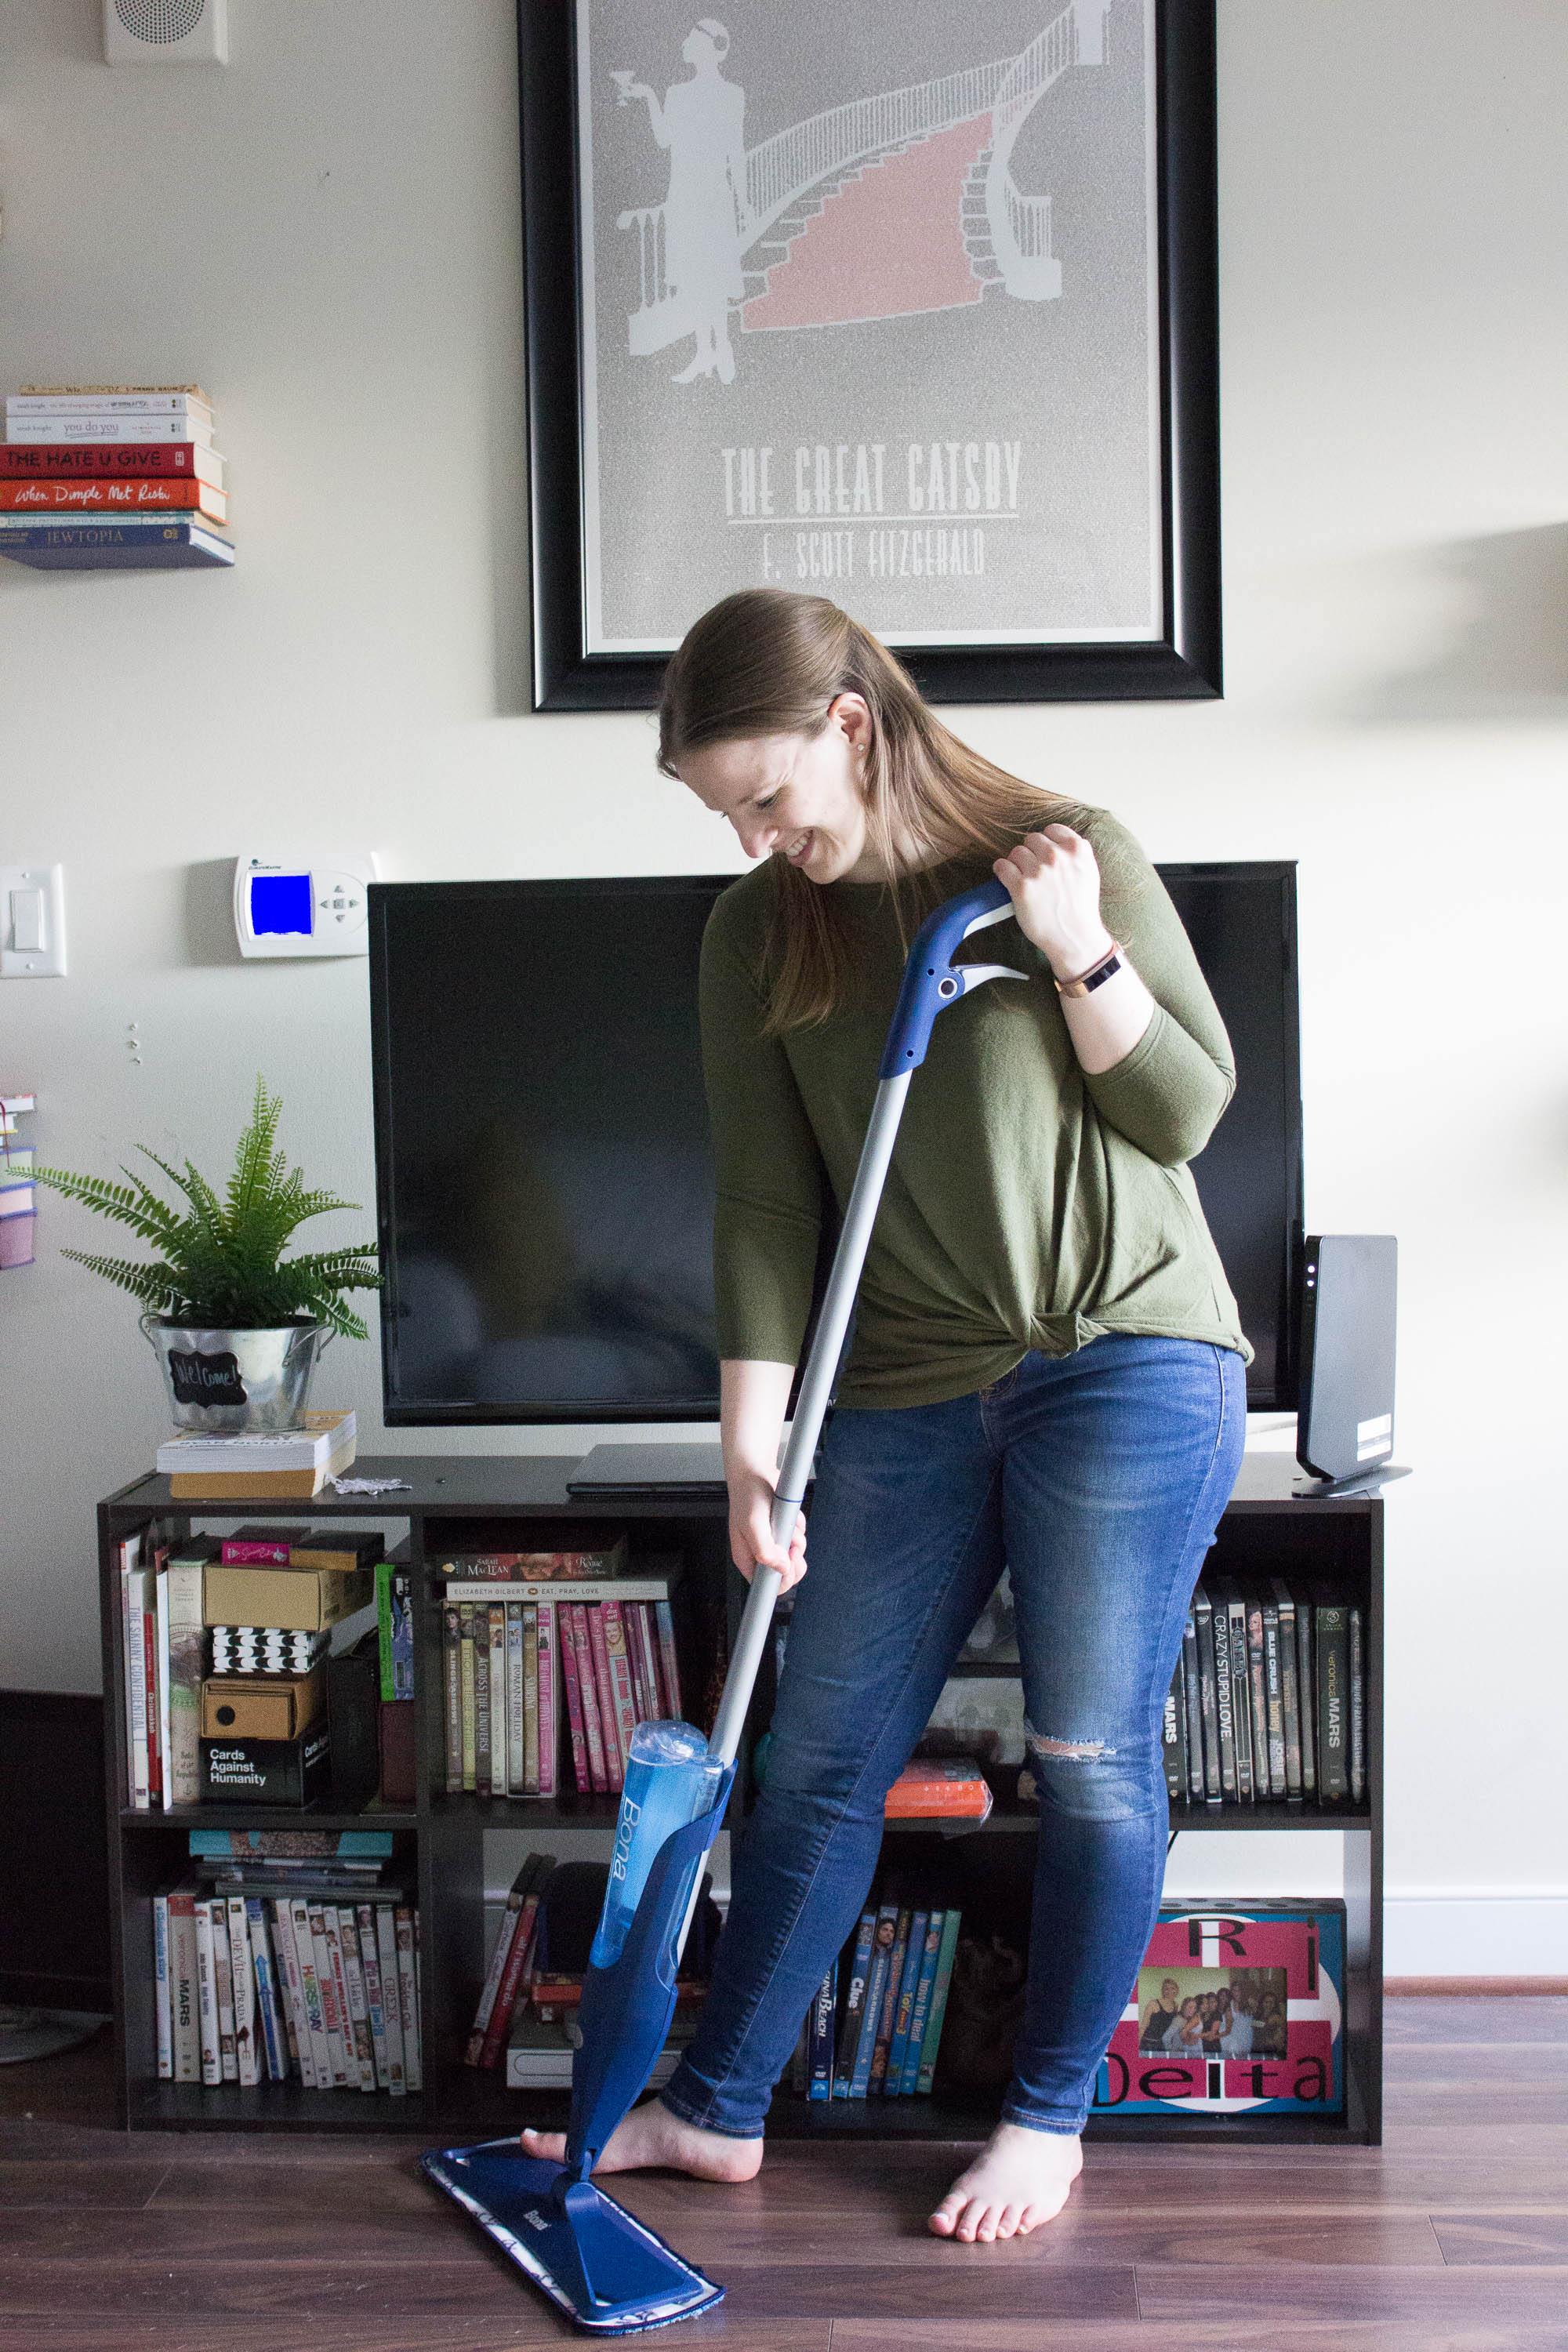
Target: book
[1274,1689]
[516,1712]
[854,2006]
[1222,1688]
[260,1547]
[624,1695]
[573,1702]
[333,2022]
[246,2028]
[184,1983]
[1257,1695]
[1306,1689]
[206,1995]
[161,494]
[938,2011]
[517,1969]
[644,1669]
[296,2015]
[939,1787]
[391,1999]
[920,2016]
[185,1670]
[108,400]
[452,1659]
[481,1636]
[588,1691]
[1332,1676]
[149,542]
[395,1625]
[498,1699]
[609,1714]
[548,1705]
[533,1868]
[1289,1695]
[819,2042]
[268,2004]
[596,1589]
[133,1636]
[1358,1708]
[890,2004]
[1240,1708]
[602,1562]
[527,1778]
[882,1939]
[366,1846]
[1190,1694]
[64,431]
[1208,1694]
[468,1694]
[1174,1738]
[164,2015]
[904,2006]
[408,1997]
[370,1970]
[203,1467]
[669,1670]
[33,461]
[359,2008]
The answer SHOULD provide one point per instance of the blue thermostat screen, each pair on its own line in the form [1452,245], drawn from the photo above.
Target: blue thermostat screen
[279,902]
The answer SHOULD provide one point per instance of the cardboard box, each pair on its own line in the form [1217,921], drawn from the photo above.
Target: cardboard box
[299,1599]
[294,1772]
[262,1706]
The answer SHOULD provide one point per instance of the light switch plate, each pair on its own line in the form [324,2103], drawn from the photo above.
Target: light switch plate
[32,922]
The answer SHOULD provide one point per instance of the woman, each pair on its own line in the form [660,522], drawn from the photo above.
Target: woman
[1160,2015]
[1186,2034]
[1047,1370]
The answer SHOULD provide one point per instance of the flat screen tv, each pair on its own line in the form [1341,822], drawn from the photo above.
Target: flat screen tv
[543,1173]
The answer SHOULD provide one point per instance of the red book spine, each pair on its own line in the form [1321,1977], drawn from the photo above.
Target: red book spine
[593,1731]
[254,1555]
[574,1703]
[617,1651]
[615,1762]
[512,1981]
[668,1670]
[116,495]
[549,1740]
[69,461]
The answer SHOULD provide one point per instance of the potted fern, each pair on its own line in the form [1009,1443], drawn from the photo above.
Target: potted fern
[237,1326]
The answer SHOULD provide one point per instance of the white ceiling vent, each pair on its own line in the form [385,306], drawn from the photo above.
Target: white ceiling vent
[166,32]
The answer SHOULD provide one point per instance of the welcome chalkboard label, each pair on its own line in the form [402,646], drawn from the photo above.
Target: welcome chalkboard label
[205,1380]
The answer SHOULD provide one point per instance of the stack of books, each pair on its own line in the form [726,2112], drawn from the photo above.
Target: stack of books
[224,1660]
[17,1201]
[290,1465]
[112,477]
[284,1955]
[880,2040]
[528,1657]
[1268,1703]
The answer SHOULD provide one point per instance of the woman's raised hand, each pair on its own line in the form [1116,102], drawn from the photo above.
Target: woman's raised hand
[752,1544]
[1053,880]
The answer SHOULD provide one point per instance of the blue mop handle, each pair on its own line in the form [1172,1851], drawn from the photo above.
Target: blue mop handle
[932,981]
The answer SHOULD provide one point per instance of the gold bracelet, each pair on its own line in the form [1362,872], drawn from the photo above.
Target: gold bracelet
[1096,976]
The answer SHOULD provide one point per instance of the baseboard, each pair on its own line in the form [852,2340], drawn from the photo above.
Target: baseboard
[1434,1988]
[1476,1934]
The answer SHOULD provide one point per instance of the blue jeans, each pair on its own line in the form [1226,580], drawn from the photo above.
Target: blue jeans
[1098,1480]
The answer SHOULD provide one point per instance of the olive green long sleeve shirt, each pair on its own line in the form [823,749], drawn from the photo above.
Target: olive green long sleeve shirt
[1028,1204]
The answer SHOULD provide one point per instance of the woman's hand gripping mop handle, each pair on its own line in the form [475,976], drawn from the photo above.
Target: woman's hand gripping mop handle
[627,2004]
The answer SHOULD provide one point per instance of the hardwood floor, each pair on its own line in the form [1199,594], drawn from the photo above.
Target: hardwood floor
[1451,2238]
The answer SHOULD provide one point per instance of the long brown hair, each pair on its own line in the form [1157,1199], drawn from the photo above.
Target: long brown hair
[768,662]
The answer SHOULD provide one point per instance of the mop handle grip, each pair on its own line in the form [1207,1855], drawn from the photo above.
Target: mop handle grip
[930,982]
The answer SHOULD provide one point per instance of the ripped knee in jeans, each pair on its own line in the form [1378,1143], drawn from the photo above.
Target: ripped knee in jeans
[1068,1751]
[1088,1778]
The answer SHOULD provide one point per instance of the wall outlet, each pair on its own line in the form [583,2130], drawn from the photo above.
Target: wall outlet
[32,922]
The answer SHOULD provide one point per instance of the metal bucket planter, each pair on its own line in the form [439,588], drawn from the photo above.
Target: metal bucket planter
[236,1381]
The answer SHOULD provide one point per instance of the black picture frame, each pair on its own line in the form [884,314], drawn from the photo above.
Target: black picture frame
[1181,665]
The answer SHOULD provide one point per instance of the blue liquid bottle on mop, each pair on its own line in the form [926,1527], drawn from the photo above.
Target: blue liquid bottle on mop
[670,1780]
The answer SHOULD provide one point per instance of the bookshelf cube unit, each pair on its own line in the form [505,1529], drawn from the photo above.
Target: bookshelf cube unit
[518,1502]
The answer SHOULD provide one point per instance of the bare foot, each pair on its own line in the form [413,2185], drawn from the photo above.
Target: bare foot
[1020,2179]
[650,2135]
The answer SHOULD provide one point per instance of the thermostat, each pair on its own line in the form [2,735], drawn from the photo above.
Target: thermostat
[298,907]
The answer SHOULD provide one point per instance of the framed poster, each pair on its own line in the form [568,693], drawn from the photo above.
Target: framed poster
[912,307]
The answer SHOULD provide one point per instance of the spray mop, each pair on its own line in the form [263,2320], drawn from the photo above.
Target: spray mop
[595,2260]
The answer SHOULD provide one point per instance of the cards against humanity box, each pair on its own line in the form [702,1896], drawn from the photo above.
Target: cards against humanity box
[1238,2008]
[267,1771]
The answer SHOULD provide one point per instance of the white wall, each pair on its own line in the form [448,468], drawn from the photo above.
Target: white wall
[325,234]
